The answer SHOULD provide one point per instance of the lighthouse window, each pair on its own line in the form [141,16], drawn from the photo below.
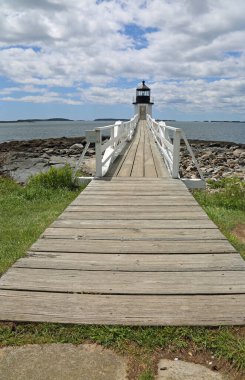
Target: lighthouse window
[143,93]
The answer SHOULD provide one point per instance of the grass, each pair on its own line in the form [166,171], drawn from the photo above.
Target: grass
[25,214]
[26,211]
[224,202]
[146,376]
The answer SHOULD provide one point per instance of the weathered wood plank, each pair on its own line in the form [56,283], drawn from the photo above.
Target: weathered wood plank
[136,208]
[137,182]
[172,194]
[158,160]
[135,193]
[154,198]
[133,262]
[135,188]
[131,200]
[149,165]
[128,179]
[138,164]
[132,234]
[166,224]
[112,246]
[106,282]
[126,167]
[127,310]
[136,179]
[127,215]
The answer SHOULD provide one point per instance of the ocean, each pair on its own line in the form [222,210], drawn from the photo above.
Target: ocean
[209,131]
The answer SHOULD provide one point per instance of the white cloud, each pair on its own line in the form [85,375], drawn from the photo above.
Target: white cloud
[194,57]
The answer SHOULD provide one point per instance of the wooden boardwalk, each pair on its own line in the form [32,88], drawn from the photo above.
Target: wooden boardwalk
[141,158]
[132,249]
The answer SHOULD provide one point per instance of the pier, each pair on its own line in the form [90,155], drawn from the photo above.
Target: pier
[134,248]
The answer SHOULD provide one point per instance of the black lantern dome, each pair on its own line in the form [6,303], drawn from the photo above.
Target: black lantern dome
[143,94]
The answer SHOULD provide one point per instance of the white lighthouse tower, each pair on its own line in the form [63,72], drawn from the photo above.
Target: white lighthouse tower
[143,104]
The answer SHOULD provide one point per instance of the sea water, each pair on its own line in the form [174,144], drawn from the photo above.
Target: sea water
[210,131]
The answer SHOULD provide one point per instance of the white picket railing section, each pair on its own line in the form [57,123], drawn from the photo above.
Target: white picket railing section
[106,150]
[169,147]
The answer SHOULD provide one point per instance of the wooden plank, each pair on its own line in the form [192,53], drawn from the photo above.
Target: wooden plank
[133,262]
[149,165]
[106,282]
[158,160]
[133,193]
[142,196]
[127,215]
[135,187]
[166,224]
[137,208]
[128,179]
[121,186]
[135,214]
[145,186]
[138,164]
[127,200]
[136,193]
[126,167]
[137,181]
[126,310]
[112,246]
[132,234]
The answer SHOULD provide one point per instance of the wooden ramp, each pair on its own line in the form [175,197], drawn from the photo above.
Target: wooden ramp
[133,249]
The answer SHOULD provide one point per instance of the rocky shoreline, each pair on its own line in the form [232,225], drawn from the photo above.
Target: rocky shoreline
[20,159]
[216,159]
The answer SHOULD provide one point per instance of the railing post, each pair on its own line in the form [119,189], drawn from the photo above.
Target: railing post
[117,130]
[98,154]
[176,153]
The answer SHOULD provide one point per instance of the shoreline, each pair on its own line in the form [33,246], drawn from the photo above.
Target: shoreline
[21,158]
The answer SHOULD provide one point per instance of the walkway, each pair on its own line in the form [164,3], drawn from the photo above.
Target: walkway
[133,249]
[141,158]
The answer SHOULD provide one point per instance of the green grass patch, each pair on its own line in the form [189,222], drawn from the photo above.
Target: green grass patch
[146,376]
[27,211]
[54,179]
[224,202]
[228,193]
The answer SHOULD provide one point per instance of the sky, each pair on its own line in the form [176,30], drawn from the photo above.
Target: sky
[83,59]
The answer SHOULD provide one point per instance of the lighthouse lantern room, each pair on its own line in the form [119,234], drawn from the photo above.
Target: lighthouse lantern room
[143,104]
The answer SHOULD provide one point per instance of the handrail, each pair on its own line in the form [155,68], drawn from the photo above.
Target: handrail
[106,151]
[170,149]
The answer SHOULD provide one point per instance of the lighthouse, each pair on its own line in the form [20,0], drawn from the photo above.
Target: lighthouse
[143,104]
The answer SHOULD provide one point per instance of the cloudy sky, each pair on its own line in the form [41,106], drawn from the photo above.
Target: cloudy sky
[83,59]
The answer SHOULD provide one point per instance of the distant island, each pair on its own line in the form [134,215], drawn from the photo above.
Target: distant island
[33,120]
[111,119]
[226,121]
[164,120]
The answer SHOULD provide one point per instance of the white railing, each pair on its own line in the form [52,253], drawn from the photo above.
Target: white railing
[170,149]
[106,150]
